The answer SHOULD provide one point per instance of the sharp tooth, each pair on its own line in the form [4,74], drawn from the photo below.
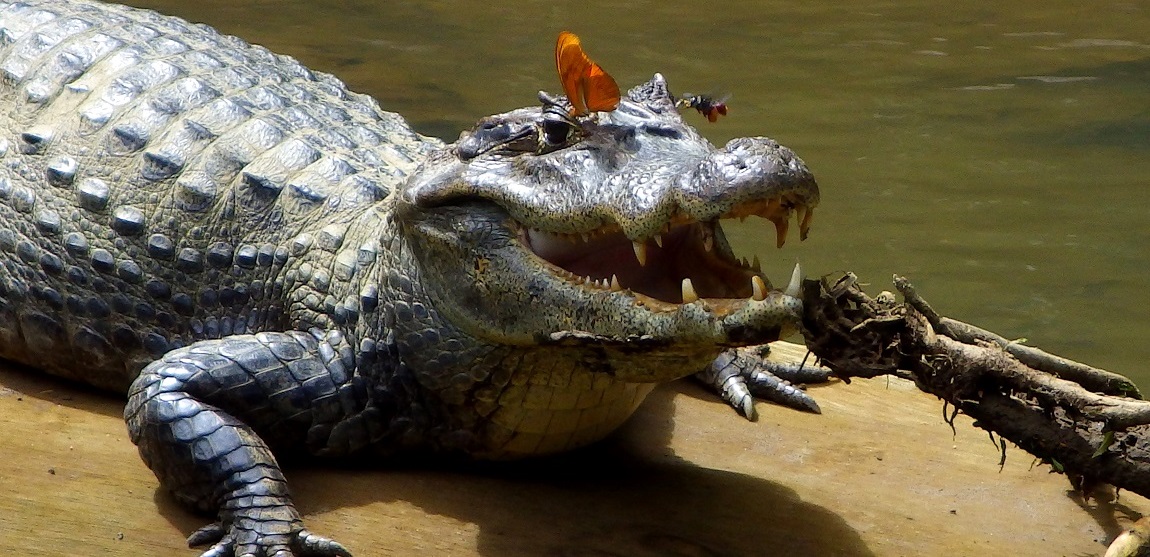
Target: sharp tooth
[805,223]
[781,226]
[640,252]
[771,208]
[755,264]
[659,240]
[689,294]
[758,288]
[615,284]
[708,237]
[796,280]
[586,237]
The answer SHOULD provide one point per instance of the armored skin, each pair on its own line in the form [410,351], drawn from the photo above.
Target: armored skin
[265,261]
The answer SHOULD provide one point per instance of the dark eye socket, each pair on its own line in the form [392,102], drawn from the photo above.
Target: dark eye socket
[494,132]
[556,132]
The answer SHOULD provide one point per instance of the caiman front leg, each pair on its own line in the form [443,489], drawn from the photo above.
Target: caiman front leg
[206,417]
[739,375]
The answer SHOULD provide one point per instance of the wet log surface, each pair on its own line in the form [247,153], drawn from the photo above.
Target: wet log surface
[879,472]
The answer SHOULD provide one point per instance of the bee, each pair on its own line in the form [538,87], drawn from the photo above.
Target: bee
[588,87]
[707,105]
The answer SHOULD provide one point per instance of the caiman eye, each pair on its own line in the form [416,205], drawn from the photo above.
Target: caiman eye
[556,132]
[496,136]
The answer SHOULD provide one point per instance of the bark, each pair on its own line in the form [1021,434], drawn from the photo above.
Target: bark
[1086,422]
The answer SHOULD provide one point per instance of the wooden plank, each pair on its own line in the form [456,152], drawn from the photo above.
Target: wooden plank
[876,474]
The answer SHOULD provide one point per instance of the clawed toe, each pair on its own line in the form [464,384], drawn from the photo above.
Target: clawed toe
[741,374]
[302,544]
[310,545]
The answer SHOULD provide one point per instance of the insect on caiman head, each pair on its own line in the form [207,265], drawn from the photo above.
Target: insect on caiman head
[604,229]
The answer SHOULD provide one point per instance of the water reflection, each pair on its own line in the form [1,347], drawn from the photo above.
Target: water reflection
[998,154]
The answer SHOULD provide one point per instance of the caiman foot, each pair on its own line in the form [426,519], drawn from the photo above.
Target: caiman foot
[260,537]
[739,375]
[194,415]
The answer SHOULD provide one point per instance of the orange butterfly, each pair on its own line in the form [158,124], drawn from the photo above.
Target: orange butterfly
[588,87]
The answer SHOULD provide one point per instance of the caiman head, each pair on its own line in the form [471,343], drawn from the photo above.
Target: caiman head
[603,234]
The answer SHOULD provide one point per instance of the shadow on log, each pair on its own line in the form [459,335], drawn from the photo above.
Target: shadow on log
[1088,423]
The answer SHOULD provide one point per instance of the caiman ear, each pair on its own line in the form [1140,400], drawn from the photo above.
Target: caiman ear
[654,94]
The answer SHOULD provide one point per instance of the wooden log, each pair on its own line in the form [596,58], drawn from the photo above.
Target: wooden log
[878,473]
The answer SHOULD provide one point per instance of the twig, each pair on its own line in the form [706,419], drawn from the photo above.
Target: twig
[914,300]
[1062,411]
[1092,378]
[1114,412]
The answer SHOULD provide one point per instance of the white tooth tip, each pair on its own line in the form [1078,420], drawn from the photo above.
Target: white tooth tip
[659,240]
[707,234]
[640,252]
[689,294]
[758,288]
[615,284]
[796,281]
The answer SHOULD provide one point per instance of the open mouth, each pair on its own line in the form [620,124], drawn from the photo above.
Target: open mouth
[689,260]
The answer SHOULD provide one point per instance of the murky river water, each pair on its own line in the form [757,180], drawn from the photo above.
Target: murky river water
[997,154]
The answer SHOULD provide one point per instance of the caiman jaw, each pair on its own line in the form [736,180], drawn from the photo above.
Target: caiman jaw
[687,261]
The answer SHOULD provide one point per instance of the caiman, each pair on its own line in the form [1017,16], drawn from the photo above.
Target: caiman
[265,261]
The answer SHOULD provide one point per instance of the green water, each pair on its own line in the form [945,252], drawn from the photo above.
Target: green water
[996,153]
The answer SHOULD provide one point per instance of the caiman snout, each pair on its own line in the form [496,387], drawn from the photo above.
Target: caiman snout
[619,224]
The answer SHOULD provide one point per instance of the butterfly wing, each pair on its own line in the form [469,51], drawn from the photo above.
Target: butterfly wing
[572,64]
[587,85]
[601,93]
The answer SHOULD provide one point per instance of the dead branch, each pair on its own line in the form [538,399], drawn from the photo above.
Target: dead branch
[1090,378]
[1086,422]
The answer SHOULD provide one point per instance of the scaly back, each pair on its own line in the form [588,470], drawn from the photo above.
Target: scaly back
[155,177]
